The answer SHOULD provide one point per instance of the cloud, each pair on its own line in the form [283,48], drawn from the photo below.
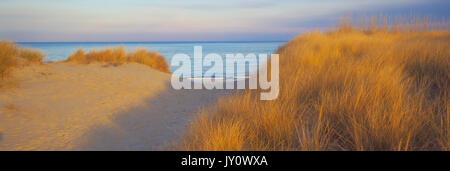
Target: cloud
[76,20]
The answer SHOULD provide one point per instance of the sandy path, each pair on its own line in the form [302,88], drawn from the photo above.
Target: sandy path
[93,107]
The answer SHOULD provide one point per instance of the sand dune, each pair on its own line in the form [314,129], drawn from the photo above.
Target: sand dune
[64,106]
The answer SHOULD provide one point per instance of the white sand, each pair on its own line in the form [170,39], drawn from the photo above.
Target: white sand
[92,107]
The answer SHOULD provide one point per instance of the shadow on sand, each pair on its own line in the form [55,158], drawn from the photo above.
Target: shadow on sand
[153,126]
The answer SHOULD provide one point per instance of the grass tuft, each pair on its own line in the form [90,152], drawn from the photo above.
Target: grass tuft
[12,56]
[32,55]
[8,57]
[78,56]
[118,56]
[152,59]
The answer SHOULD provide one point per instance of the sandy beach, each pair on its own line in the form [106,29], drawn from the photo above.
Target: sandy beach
[64,106]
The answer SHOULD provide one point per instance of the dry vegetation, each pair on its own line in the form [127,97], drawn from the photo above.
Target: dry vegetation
[8,57]
[32,55]
[119,56]
[373,87]
[11,56]
[11,107]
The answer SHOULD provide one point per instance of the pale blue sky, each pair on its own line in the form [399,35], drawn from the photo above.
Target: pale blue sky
[187,20]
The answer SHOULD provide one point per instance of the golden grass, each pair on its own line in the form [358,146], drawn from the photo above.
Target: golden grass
[12,56]
[350,89]
[32,55]
[8,57]
[78,56]
[119,56]
[151,59]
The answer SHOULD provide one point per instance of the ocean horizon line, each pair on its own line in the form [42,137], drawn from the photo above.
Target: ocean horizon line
[245,41]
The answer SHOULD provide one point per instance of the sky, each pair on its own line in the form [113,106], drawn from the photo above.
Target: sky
[188,20]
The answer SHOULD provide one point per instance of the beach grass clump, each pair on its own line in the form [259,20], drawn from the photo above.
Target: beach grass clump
[8,57]
[112,55]
[152,59]
[119,56]
[78,56]
[32,55]
[348,89]
[11,56]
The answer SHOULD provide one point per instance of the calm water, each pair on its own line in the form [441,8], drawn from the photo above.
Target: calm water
[60,51]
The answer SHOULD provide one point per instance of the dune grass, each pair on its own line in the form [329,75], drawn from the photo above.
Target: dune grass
[31,55]
[8,57]
[355,88]
[118,56]
[11,56]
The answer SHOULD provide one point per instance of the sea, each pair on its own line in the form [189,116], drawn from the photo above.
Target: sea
[59,51]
